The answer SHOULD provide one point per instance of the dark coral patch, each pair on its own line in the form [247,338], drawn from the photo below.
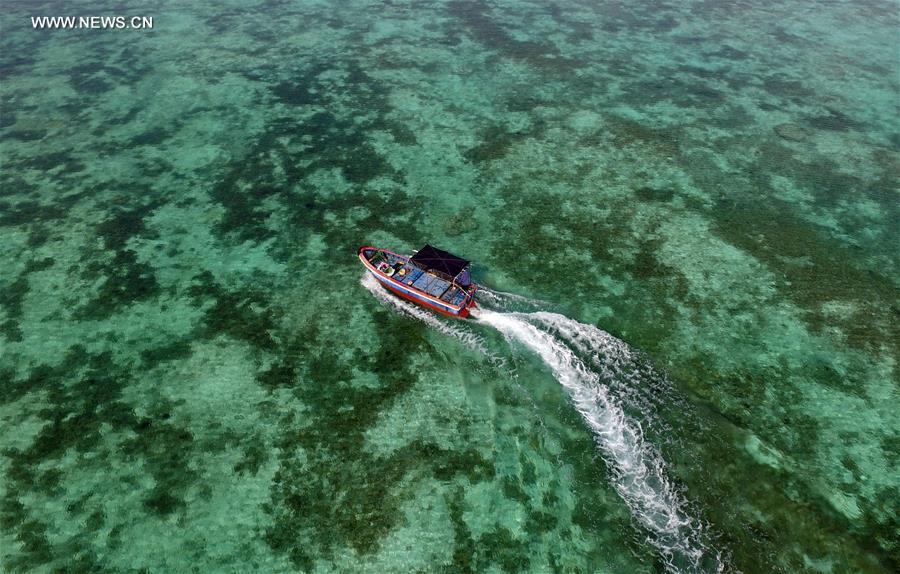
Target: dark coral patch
[7,119]
[166,450]
[448,464]
[815,268]
[11,330]
[343,145]
[834,120]
[495,143]
[154,136]
[786,88]
[280,374]
[13,185]
[244,213]
[203,286]
[25,135]
[514,491]
[366,164]
[126,281]
[307,521]
[29,211]
[12,295]
[124,224]
[385,209]
[36,548]
[687,94]
[243,316]
[12,513]
[39,264]
[161,502]
[502,548]
[255,455]
[792,132]
[730,53]
[464,546]
[294,93]
[778,237]
[82,402]
[491,33]
[823,178]
[89,79]
[654,194]
[665,24]
[663,141]
[271,171]
[646,265]
[495,548]
[173,351]
[50,161]
[403,135]
[705,94]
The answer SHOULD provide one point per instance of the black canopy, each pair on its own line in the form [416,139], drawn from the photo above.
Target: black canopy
[434,259]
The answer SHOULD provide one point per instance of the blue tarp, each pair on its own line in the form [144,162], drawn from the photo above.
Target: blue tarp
[437,287]
[412,276]
[424,281]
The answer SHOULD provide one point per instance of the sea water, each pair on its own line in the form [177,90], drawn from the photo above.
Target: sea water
[684,213]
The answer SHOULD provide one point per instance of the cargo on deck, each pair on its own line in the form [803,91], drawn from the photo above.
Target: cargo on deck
[431,277]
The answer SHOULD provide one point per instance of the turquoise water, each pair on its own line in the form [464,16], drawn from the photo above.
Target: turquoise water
[685,360]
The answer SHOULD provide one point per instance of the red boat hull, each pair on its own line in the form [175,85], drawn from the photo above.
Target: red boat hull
[413,295]
[463,313]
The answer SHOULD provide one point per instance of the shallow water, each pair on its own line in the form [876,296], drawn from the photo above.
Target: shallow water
[686,214]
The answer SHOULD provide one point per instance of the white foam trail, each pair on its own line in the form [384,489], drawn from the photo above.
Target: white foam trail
[466,337]
[637,470]
[633,380]
[507,300]
[608,353]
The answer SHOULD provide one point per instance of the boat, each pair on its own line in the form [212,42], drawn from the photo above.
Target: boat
[430,277]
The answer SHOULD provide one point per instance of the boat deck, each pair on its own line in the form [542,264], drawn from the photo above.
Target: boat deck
[419,279]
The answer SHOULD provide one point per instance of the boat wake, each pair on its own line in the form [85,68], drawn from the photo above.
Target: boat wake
[633,382]
[510,301]
[603,376]
[636,468]
[461,334]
